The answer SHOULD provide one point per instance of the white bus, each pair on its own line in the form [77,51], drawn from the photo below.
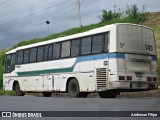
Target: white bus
[107,60]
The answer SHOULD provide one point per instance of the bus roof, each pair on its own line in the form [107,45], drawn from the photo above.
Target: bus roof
[90,32]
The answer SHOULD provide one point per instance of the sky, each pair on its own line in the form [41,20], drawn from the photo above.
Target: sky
[26,19]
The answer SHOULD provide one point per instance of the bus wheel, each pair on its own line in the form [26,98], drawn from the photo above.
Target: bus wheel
[107,94]
[73,88]
[47,94]
[17,90]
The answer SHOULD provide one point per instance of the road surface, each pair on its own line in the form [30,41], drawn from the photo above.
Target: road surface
[31,103]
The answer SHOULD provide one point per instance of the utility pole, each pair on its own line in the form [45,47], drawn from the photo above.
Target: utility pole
[79,13]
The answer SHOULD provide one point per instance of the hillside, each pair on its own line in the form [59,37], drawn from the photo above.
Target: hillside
[153,22]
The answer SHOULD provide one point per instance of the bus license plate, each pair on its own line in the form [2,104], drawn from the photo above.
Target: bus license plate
[139,75]
[139,85]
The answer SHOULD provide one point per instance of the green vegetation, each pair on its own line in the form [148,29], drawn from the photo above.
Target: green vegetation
[2,53]
[11,93]
[131,15]
[109,15]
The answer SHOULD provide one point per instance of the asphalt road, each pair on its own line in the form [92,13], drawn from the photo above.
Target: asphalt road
[31,103]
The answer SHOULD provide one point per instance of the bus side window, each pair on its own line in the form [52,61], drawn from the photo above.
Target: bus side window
[65,52]
[97,43]
[75,47]
[46,49]
[13,59]
[106,39]
[8,60]
[86,45]
[8,63]
[56,50]
[50,52]
[33,55]
[40,54]
[26,56]
[20,57]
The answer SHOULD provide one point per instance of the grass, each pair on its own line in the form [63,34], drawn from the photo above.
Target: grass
[10,93]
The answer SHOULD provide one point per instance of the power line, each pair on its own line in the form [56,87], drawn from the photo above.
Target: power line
[35,12]
[10,5]
[60,11]
[4,2]
[45,16]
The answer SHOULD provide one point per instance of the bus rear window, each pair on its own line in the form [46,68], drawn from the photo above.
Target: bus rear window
[135,39]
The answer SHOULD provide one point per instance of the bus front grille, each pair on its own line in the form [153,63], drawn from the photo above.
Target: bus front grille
[101,78]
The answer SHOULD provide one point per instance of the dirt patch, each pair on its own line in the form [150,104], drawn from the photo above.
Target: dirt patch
[152,93]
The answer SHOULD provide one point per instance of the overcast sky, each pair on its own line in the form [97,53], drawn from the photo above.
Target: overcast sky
[25,19]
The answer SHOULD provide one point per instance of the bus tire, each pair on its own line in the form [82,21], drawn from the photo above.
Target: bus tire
[47,94]
[73,88]
[107,94]
[18,90]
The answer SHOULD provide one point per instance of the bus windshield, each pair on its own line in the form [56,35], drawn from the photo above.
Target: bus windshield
[135,39]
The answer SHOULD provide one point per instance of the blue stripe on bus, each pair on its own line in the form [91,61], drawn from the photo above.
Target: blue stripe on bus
[99,57]
[116,55]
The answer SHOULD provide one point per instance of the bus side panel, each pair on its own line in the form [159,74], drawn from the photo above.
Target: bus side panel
[7,83]
[113,43]
[87,81]
[48,82]
[35,79]
[51,75]
[57,80]
[64,73]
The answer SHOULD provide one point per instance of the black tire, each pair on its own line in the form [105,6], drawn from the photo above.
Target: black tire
[73,88]
[108,94]
[18,90]
[74,91]
[47,94]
